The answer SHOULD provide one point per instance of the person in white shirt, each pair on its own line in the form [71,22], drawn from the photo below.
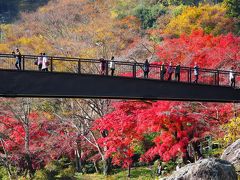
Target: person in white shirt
[231,78]
[112,65]
[45,63]
[196,72]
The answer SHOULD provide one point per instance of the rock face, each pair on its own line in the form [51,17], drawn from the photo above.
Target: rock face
[232,154]
[205,169]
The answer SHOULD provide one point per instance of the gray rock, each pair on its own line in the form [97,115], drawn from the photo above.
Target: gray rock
[205,169]
[232,154]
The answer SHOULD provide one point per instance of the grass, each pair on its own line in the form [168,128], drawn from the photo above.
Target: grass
[140,173]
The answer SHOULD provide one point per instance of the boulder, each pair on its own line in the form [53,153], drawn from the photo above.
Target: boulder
[205,169]
[232,154]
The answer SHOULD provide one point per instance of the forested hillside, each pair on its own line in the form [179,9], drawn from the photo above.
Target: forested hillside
[69,138]
[10,10]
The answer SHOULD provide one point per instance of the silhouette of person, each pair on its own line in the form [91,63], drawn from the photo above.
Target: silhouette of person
[18,57]
[146,66]
[162,71]
[232,78]
[177,72]
[170,71]
[103,66]
[112,65]
[196,72]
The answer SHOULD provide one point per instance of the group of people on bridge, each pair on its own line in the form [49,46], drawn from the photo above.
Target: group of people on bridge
[170,70]
[146,69]
[42,62]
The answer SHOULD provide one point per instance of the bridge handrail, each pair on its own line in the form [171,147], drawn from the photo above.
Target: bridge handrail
[71,59]
[215,74]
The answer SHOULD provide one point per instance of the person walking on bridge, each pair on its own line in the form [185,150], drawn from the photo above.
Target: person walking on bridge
[103,64]
[45,63]
[162,71]
[146,66]
[177,73]
[40,61]
[18,57]
[232,78]
[170,71]
[196,72]
[112,65]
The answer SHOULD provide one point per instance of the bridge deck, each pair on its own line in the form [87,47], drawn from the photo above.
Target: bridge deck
[53,84]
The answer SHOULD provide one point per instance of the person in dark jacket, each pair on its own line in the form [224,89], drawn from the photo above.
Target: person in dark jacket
[146,66]
[18,57]
[103,64]
[177,73]
[162,71]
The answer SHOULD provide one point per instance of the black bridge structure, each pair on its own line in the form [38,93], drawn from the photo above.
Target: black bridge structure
[82,78]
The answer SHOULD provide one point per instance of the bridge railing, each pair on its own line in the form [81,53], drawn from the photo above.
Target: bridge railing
[122,68]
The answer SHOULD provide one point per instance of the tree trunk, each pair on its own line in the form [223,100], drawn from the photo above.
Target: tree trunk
[129,171]
[10,174]
[29,165]
[78,157]
[27,149]
[196,147]
[95,166]
[106,166]
[187,158]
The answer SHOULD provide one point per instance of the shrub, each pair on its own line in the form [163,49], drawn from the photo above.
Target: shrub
[148,15]
[3,173]
[41,175]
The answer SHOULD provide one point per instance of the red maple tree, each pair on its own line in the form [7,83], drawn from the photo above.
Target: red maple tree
[174,125]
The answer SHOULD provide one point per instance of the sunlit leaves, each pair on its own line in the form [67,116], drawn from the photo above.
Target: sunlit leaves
[212,19]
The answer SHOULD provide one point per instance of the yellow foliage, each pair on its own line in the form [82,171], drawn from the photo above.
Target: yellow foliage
[4,48]
[114,14]
[92,26]
[88,53]
[212,19]
[6,32]
[232,130]
[36,43]
[24,41]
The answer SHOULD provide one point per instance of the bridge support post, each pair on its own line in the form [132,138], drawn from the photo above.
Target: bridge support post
[51,63]
[23,63]
[134,69]
[79,66]
[190,75]
[106,68]
[215,78]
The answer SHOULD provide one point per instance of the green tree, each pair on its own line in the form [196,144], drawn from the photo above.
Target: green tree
[233,8]
[148,15]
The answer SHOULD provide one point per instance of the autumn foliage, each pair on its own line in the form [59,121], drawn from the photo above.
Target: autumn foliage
[173,125]
[212,19]
[216,52]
